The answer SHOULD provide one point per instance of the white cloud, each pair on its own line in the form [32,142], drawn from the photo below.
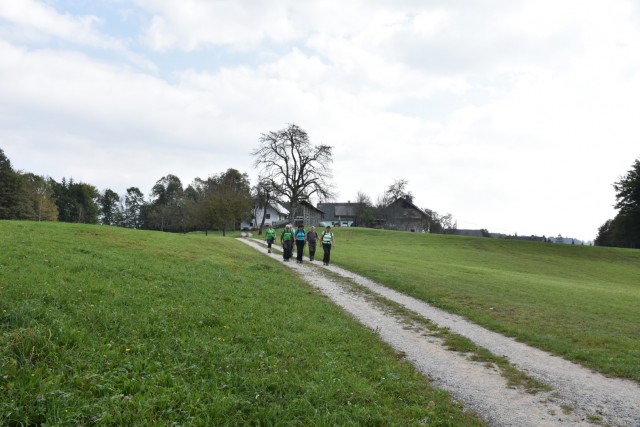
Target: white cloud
[191,24]
[515,117]
[34,21]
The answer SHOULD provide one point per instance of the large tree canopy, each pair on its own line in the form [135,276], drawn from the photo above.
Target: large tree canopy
[628,190]
[293,167]
[110,208]
[166,211]
[76,201]
[624,229]
[40,192]
[222,200]
[133,206]
[14,203]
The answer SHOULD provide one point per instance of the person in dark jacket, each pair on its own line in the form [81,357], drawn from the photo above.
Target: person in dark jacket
[312,238]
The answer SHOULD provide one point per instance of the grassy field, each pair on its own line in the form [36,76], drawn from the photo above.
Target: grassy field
[107,326]
[580,302]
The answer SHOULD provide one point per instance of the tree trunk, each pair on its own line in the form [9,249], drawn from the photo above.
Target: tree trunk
[264,217]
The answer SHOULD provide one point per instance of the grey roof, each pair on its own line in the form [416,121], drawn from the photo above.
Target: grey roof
[279,208]
[344,210]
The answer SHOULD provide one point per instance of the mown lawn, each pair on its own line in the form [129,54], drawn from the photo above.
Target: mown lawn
[107,326]
[580,302]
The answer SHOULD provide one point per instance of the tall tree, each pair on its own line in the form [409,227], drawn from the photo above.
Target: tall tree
[110,208]
[226,200]
[398,190]
[167,211]
[76,202]
[293,167]
[364,210]
[14,202]
[133,204]
[624,229]
[628,190]
[434,224]
[40,191]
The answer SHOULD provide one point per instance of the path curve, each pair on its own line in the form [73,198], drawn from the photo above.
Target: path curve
[590,395]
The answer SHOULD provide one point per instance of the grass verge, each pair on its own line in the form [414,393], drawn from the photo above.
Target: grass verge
[106,326]
[579,302]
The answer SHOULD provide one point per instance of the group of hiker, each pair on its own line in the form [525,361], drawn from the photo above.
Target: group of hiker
[300,237]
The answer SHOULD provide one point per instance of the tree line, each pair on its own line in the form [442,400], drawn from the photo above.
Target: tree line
[218,202]
[291,171]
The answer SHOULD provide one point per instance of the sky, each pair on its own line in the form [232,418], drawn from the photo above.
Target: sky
[514,116]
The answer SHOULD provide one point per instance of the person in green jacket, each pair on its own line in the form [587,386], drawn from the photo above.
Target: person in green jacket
[327,241]
[286,240]
[271,237]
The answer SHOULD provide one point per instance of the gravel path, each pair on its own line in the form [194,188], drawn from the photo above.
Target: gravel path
[578,396]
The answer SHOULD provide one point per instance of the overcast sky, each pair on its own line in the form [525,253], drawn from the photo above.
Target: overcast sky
[516,116]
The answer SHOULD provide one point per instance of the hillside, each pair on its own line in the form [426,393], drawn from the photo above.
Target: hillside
[579,302]
[110,326]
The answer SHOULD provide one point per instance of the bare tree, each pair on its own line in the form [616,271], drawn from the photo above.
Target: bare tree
[294,168]
[398,190]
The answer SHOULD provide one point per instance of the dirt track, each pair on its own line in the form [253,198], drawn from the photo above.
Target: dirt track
[578,396]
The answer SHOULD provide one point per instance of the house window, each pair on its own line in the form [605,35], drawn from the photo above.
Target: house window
[268,216]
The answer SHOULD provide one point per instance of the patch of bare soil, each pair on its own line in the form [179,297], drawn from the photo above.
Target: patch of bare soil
[578,396]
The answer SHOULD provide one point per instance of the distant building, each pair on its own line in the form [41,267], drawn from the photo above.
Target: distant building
[402,214]
[276,215]
[308,215]
[342,214]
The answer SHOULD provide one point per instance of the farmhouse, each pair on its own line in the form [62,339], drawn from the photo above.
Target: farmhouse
[275,215]
[343,214]
[307,214]
[402,214]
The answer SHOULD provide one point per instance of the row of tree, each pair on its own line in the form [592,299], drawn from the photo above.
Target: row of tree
[218,202]
[292,171]
[624,230]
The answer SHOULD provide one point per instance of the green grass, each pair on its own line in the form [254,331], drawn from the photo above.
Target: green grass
[106,326]
[580,302]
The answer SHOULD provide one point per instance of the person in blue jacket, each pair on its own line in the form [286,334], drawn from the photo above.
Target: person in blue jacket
[300,235]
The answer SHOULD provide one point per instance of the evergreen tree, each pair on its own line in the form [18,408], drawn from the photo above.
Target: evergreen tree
[624,229]
[14,200]
[110,210]
[167,210]
[133,206]
[76,202]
